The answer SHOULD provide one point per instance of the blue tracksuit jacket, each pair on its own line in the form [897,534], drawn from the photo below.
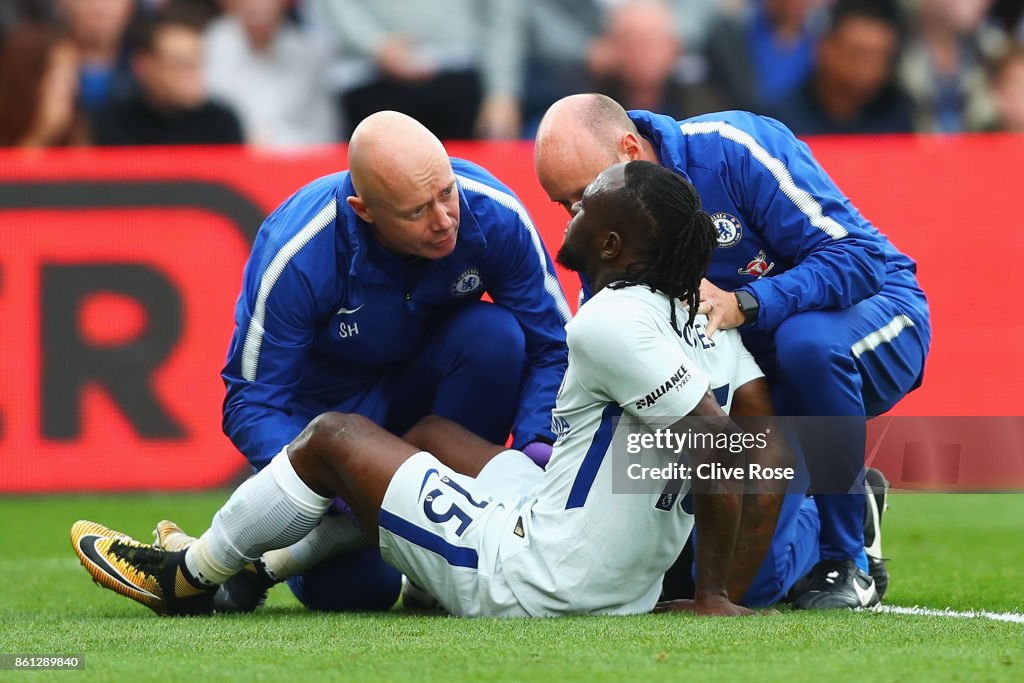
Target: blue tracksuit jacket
[325,314]
[775,208]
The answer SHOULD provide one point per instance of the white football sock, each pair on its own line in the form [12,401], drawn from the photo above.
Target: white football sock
[272,509]
[334,535]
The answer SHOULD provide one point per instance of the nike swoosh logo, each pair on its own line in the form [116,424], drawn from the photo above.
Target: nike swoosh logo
[87,547]
[865,595]
[432,470]
[348,311]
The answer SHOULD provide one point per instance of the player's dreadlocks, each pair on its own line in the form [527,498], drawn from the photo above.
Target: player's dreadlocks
[680,236]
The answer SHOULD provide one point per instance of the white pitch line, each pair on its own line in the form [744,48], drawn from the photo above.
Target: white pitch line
[1012,617]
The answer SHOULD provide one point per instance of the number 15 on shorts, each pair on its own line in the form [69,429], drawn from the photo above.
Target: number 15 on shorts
[451,501]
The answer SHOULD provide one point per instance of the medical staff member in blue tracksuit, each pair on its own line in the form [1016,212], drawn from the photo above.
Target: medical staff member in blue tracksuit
[363,295]
[831,310]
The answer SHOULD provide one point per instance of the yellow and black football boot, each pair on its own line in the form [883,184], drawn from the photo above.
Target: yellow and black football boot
[153,577]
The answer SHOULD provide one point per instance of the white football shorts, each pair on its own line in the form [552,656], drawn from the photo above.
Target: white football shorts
[442,529]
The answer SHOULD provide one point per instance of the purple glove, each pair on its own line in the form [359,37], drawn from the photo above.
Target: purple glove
[539,452]
[340,507]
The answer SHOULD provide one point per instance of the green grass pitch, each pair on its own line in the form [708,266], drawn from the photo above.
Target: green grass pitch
[965,552]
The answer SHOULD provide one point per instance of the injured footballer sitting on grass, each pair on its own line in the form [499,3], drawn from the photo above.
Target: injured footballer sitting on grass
[482,528]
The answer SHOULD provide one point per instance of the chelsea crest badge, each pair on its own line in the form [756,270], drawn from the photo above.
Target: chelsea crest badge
[728,229]
[467,283]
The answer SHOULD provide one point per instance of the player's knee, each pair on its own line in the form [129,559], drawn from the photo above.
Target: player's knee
[332,426]
[324,438]
[805,350]
[426,424]
[493,339]
[355,582]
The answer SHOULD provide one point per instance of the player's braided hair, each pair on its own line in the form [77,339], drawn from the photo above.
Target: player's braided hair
[679,235]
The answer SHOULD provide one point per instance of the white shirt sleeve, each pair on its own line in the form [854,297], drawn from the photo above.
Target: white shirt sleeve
[622,354]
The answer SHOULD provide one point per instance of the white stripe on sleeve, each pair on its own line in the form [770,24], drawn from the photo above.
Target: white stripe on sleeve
[254,335]
[803,200]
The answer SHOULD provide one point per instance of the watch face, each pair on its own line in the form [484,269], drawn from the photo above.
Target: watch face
[748,305]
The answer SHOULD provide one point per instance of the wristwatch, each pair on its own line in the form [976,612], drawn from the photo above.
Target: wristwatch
[748,304]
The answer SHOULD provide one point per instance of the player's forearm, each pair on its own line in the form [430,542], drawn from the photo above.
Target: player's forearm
[717,522]
[716,501]
[758,518]
[762,502]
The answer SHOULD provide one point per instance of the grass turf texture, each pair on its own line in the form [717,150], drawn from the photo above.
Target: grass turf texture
[959,551]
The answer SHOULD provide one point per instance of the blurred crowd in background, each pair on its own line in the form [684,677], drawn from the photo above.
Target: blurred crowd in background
[294,73]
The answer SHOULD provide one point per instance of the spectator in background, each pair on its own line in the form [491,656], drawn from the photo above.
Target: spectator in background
[454,65]
[15,12]
[693,18]
[640,60]
[202,10]
[1008,16]
[943,67]
[569,51]
[172,107]
[1008,87]
[852,89]
[559,35]
[97,28]
[38,88]
[761,56]
[271,72]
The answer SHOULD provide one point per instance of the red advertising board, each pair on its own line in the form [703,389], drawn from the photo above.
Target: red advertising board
[119,271]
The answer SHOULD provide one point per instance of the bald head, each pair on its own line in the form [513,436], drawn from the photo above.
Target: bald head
[598,114]
[405,185]
[387,150]
[580,136]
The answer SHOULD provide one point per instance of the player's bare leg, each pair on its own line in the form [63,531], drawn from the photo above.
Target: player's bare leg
[452,444]
[457,447]
[350,457]
[336,454]
[331,450]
